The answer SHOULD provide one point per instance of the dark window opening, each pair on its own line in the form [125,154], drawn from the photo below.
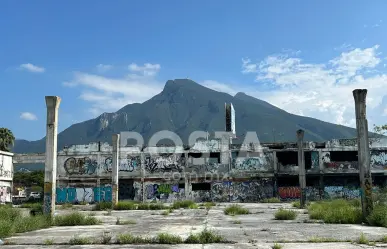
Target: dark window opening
[201,186]
[181,185]
[215,157]
[195,155]
[343,156]
[308,159]
[287,157]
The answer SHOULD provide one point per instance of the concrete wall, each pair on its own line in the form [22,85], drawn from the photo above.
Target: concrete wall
[6,175]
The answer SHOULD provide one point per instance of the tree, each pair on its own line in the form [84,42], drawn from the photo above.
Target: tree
[6,139]
[380,131]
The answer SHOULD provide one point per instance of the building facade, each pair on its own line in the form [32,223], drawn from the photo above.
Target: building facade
[6,176]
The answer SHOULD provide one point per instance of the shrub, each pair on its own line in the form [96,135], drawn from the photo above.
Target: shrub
[165,238]
[362,240]
[235,209]
[48,242]
[156,206]
[75,219]
[277,246]
[283,214]
[104,205]
[209,205]
[378,216]
[271,200]
[80,241]
[182,204]
[296,204]
[132,239]
[336,211]
[125,205]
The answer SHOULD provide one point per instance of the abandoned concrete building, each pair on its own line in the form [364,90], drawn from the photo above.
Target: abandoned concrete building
[6,175]
[212,171]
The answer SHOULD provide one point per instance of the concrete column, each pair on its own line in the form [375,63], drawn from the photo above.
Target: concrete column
[275,178]
[301,166]
[363,151]
[52,103]
[142,156]
[115,167]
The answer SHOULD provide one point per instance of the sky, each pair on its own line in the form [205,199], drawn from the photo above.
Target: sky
[305,57]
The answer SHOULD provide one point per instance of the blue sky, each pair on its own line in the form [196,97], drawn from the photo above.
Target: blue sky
[303,56]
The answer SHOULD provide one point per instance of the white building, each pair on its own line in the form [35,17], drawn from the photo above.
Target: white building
[6,176]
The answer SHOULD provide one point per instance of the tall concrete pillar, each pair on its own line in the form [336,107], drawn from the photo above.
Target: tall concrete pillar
[115,167]
[143,196]
[363,150]
[301,166]
[52,103]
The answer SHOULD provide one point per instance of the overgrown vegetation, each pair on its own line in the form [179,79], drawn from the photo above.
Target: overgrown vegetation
[271,200]
[75,219]
[166,238]
[183,204]
[80,241]
[205,237]
[336,211]
[378,216]
[363,240]
[283,214]
[209,205]
[235,209]
[277,246]
[103,205]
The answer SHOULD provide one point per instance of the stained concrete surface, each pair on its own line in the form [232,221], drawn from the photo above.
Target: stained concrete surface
[255,230]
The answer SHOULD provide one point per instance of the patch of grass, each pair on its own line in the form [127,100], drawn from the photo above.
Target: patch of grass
[235,209]
[182,204]
[103,205]
[378,216]
[75,219]
[296,204]
[208,205]
[132,239]
[125,205]
[283,214]
[336,211]
[277,246]
[80,241]
[384,239]
[165,238]
[32,205]
[151,206]
[193,206]
[236,222]
[271,200]
[125,222]
[362,240]
[205,237]
[106,238]
[48,242]
[166,212]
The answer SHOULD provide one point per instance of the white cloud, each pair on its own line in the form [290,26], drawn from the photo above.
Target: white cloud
[147,69]
[110,94]
[218,86]
[32,68]
[102,68]
[322,90]
[28,116]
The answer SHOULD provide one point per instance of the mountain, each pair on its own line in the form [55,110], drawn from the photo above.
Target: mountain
[185,106]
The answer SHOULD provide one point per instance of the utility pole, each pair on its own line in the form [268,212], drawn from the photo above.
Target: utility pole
[363,147]
[301,166]
[52,103]
[115,167]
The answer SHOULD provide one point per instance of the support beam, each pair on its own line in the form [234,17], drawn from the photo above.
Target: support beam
[52,103]
[363,151]
[115,168]
[301,166]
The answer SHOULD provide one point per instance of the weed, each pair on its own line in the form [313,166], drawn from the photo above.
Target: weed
[165,238]
[235,209]
[104,205]
[378,216]
[205,237]
[296,204]
[48,242]
[277,246]
[209,205]
[363,239]
[106,238]
[80,241]
[271,200]
[193,206]
[75,219]
[166,212]
[336,211]
[132,239]
[125,205]
[322,240]
[182,204]
[237,222]
[283,214]
[384,239]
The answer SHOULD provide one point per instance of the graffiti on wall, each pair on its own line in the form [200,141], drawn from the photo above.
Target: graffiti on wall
[164,192]
[205,168]
[333,192]
[164,163]
[315,160]
[129,164]
[80,166]
[5,194]
[312,193]
[250,191]
[379,160]
[252,163]
[3,171]
[341,167]
[89,195]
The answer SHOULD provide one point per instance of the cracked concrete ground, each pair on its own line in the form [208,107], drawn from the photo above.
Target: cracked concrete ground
[255,230]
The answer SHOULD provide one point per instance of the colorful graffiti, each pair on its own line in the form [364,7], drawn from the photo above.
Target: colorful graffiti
[89,195]
[251,191]
[164,192]
[379,160]
[129,164]
[164,163]
[315,160]
[331,167]
[206,168]
[313,193]
[5,194]
[80,166]
[252,163]
[333,192]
